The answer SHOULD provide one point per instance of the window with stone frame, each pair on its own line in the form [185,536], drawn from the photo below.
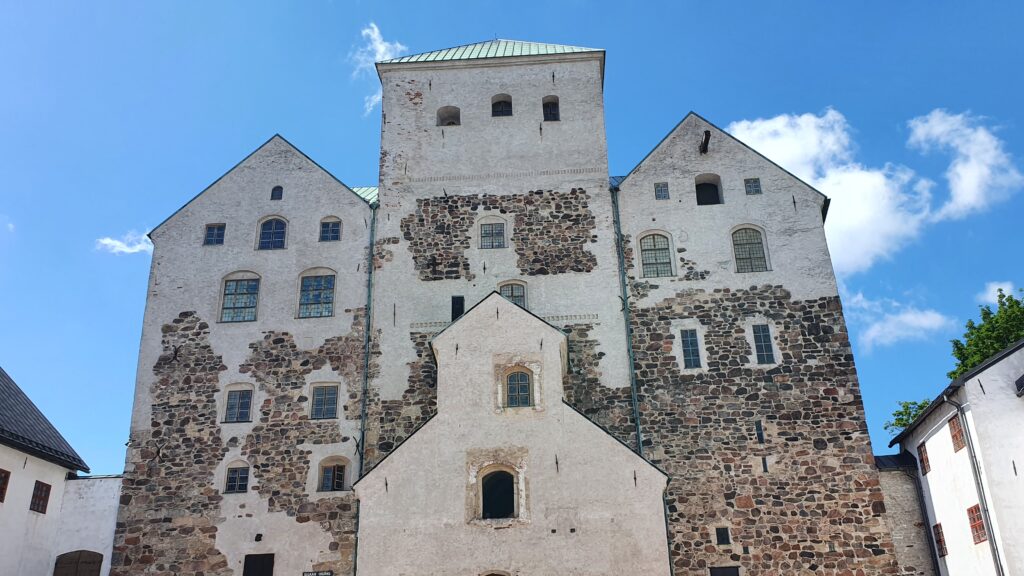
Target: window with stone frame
[214,235]
[956,431]
[748,246]
[691,348]
[492,235]
[722,536]
[40,497]
[752,186]
[316,296]
[5,479]
[237,480]
[978,531]
[330,230]
[763,344]
[661,191]
[272,234]
[655,256]
[514,292]
[325,402]
[940,540]
[922,458]
[498,495]
[332,478]
[239,406]
[240,299]
[517,389]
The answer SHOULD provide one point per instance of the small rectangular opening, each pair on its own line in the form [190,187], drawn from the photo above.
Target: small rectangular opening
[458,306]
[722,536]
[258,565]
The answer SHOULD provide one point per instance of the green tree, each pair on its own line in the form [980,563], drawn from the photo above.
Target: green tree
[996,331]
[905,415]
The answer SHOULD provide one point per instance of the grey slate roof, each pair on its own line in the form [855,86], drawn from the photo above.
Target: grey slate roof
[902,461]
[23,427]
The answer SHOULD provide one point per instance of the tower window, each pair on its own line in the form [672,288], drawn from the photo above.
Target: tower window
[332,478]
[517,386]
[239,406]
[214,235]
[40,497]
[655,256]
[691,349]
[550,105]
[276,193]
[330,230]
[325,402]
[661,191]
[763,344]
[240,297]
[752,186]
[449,116]
[492,235]
[501,105]
[237,481]
[514,292]
[272,233]
[748,246]
[722,536]
[316,298]
[499,495]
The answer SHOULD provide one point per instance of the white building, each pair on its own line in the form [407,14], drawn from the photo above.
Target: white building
[969,446]
[51,520]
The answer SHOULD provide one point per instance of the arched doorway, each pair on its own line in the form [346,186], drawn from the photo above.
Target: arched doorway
[78,563]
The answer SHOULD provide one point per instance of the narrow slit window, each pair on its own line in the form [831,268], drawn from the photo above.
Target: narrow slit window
[492,235]
[240,297]
[5,478]
[691,349]
[458,306]
[332,478]
[316,298]
[752,186]
[40,497]
[661,191]
[516,293]
[748,245]
[325,402]
[272,234]
[922,458]
[237,481]
[214,235]
[239,406]
[940,540]
[978,531]
[759,431]
[517,390]
[330,231]
[655,256]
[957,433]
[763,344]
[499,495]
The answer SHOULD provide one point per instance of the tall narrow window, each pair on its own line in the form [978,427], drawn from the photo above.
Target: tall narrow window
[237,481]
[957,432]
[40,497]
[330,230]
[922,458]
[759,431]
[691,349]
[517,389]
[752,186]
[5,478]
[550,105]
[516,293]
[325,402]
[748,246]
[332,478]
[214,235]
[458,306]
[661,191]
[276,193]
[655,256]
[499,495]
[501,105]
[940,540]
[239,406]
[316,297]
[763,344]
[240,297]
[978,531]
[492,235]
[272,234]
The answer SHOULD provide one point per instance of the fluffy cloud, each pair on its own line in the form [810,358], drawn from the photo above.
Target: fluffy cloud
[907,324]
[990,294]
[374,49]
[130,243]
[981,172]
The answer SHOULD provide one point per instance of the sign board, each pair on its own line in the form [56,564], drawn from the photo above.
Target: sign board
[319,573]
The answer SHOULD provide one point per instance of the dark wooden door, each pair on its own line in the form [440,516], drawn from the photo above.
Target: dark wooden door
[78,563]
[258,565]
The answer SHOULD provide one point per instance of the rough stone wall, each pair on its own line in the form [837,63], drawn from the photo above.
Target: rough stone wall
[819,508]
[169,504]
[610,408]
[550,232]
[910,535]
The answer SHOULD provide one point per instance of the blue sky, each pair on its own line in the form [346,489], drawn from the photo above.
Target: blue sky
[114,114]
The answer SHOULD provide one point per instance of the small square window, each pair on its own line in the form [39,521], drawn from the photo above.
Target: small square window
[325,402]
[5,478]
[691,349]
[239,406]
[330,231]
[722,536]
[276,193]
[238,480]
[752,186]
[661,191]
[492,235]
[40,497]
[763,344]
[214,235]
[332,478]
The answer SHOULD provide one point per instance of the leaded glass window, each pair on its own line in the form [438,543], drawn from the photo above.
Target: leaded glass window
[518,389]
[748,246]
[763,344]
[316,298]
[661,191]
[330,231]
[238,480]
[492,235]
[691,349]
[214,235]
[752,186]
[325,402]
[240,298]
[272,233]
[332,478]
[516,293]
[239,406]
[655,256]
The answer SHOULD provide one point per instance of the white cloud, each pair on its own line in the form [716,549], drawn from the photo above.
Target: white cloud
[374,49]
[990,294]
[10,227]
[130,243]
[907,324]
[981,172]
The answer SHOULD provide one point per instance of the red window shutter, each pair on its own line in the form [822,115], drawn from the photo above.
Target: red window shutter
[940,540]
[977,524]
[957,432]
[922,458]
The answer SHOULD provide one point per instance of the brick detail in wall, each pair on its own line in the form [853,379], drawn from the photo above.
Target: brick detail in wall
[821,486]
[167,520]
[550,232]
[382,255]
[610,408]
[688,268]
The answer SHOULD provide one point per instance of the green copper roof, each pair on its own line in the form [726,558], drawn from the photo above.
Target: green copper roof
[368,193]
[491,49]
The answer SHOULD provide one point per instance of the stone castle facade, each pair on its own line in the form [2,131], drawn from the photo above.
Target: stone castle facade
[667,386]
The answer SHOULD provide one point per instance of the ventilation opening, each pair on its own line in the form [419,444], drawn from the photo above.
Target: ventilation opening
[499,495]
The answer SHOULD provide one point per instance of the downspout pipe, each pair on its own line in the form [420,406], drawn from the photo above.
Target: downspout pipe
[626,317]
[976,470]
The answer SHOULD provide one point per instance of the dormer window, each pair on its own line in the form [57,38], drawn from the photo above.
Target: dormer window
[501,105]
[449,116]
[550,105]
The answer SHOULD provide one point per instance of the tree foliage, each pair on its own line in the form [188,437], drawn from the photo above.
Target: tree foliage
[905,415]
[995,332]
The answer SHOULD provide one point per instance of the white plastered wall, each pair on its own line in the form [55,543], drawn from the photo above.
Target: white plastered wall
[28,539]
[88,516]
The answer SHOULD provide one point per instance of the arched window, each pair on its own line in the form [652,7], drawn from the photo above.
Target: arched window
[515,292]
[550,105]
[709,189]
[237,478]
[517,389]
[316,293]
[276,193]
[748,245]
[501,105]
[332,475]
[449,116]
[272,234]
[78,563]
[498,495]
[655,256]
[241,295]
